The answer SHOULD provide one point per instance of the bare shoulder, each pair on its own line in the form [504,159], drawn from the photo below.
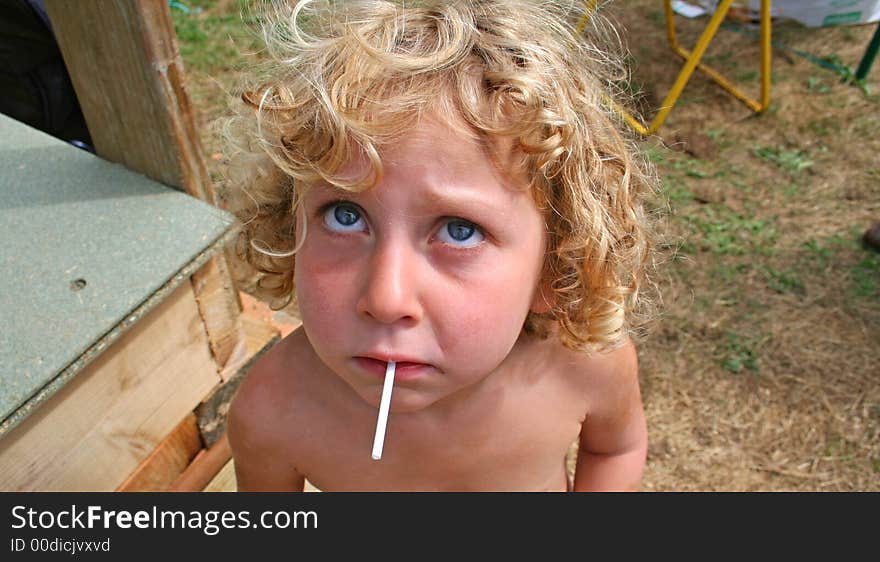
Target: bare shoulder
[613,440]
[264,418]
[617,366]
[606,379]
[269,388]
[614,417]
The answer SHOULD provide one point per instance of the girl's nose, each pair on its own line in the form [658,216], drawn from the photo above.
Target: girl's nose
[390,290]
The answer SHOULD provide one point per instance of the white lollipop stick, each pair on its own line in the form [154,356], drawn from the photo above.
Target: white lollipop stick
[379,439]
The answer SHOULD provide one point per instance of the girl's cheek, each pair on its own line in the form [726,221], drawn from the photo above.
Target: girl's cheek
[325,252]
[467,265]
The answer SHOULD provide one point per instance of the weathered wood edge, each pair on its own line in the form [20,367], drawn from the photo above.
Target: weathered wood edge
[167,461]
[66,374]
[213,410]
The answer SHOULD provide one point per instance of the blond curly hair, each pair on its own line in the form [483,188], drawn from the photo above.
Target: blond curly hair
[350,77]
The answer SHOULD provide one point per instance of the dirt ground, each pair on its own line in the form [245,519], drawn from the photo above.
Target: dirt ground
[762,369]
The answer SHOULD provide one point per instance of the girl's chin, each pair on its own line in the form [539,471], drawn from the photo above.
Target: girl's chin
[403,400]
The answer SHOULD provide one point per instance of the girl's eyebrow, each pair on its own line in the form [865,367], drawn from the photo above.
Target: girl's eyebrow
[463,198]
[459,198]
[457,203]
[333,190]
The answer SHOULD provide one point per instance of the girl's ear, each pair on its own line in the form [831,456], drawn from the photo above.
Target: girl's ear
[543,299]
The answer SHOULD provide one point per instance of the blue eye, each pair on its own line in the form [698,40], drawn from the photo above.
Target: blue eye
[461,233]
[344,217]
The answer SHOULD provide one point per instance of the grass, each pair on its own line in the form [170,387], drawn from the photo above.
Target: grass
[816,85]
[214,41]
[716,134]
[866,277]
[739,354]
[817,251]
[793,161]
[723,231]
[766,275]
[823,127]
[675,190]
[785,281]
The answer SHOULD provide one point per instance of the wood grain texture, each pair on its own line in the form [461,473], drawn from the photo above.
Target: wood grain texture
[207,464]
[212,412]
[224,481]
[168,461]
[221,312]
[125,66]
[97,430]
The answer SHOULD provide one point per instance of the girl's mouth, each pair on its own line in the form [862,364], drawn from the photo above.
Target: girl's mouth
[405,370]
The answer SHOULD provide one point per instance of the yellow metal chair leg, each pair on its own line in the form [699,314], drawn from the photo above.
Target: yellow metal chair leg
[692,62]
[723,7]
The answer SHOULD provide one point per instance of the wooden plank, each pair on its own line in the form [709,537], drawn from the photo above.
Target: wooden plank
[285,321]
[221,311]
[125,66]
[211,413]
[100,426]
[225,480]
[168,461]
[204,467]
[259,335]
[129,80]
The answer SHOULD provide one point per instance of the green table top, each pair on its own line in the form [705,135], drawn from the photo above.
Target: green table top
[87,248]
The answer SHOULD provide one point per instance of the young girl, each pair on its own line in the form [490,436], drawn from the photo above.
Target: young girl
[440,185]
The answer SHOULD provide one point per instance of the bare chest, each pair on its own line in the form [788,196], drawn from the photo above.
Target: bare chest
[515,438]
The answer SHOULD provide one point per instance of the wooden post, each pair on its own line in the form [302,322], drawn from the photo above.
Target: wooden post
[124,63]
[123,60]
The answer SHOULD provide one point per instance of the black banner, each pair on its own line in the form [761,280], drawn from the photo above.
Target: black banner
[114,525]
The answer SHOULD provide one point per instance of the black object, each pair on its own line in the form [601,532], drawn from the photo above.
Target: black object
[871,237]
[35,87]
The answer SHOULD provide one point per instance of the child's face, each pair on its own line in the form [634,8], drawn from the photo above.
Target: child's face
[435,268]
